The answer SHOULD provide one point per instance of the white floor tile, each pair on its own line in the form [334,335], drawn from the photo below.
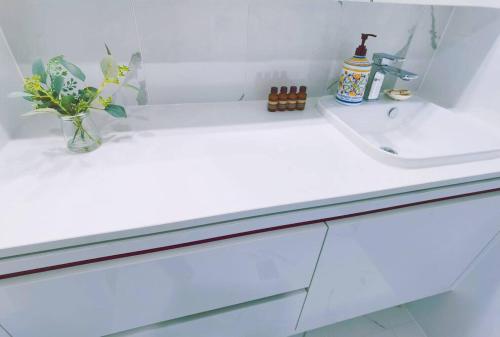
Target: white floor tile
[393,322]
[409,330]
[386,333]
[391,317]
[357,327]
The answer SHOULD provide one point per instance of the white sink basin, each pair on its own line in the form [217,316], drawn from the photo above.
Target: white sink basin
[417,134]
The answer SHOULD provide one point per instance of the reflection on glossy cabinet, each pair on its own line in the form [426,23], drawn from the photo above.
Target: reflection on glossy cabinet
[380,260]
[114,296]
[272,317]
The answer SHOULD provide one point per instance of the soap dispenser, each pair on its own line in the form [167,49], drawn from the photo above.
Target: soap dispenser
[354,76]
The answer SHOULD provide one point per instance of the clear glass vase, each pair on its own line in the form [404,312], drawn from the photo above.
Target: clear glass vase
[80,133]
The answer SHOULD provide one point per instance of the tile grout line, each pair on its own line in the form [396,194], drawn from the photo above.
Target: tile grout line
[136,25]
[11,131]
[142,68]
[11,54]
[441,39]
[247,35]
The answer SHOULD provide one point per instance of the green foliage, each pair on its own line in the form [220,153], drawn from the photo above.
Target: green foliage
[109,68]
[88,94]
[32,85]
[105,101]
[68,103]
[56,85]
[58,88]
[116,111]
[73,69]
[38,69]
[134,66]
[123,70]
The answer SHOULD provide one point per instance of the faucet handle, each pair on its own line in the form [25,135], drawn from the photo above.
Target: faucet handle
[379,57]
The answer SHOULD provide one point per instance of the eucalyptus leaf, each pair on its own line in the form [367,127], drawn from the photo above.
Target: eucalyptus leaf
[56,84]
[38,68]
[18,94]
[43,105]
[142,94]
[67,102]
[130,86]
[109,67]
[40,111]
[116,111]
[135,60]
[88,94]
[73,69]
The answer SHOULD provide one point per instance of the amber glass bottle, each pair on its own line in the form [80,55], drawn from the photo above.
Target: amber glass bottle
[301,98]
[272,103]
[292,99]
[283,99]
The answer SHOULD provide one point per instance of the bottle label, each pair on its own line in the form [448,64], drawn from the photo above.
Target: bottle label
[352,85]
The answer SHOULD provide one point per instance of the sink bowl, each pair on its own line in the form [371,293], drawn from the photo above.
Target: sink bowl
[414,133]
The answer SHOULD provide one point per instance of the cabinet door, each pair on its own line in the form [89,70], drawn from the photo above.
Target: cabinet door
[272,317]
[380,260]
[113,296]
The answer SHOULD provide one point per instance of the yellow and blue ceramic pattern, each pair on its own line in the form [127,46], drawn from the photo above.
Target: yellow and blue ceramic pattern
[353,80]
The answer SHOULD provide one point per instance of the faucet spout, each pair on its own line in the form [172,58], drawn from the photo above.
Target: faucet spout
[400,73]
[378,72]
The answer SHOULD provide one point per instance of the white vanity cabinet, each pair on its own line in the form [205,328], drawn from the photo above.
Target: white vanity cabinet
[117,295]
[274,317]
[380,260]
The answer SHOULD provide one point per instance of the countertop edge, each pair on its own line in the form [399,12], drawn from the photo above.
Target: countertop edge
[469,184]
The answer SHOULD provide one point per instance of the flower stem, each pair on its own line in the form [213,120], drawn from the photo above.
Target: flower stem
[79,129]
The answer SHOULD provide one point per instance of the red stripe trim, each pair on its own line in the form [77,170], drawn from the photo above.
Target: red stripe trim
[231,236]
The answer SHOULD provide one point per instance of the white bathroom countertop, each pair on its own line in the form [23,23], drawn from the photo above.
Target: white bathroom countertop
[176,166]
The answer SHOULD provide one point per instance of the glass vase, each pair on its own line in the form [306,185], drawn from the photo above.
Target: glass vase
[80,132]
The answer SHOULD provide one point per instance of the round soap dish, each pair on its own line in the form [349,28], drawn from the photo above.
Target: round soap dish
[398,94]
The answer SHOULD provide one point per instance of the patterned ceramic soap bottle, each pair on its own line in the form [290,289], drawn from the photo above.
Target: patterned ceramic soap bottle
[354,76]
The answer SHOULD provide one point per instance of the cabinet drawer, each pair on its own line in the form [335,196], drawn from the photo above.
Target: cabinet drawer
[112,296]
[381,260]
[276,317]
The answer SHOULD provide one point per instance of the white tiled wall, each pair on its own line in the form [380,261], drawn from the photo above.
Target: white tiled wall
[290,42]
[467,80]
[76,28]
[10,80]
[393,322]
[220,50]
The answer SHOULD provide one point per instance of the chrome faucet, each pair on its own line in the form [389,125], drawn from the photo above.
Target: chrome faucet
[378,72]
